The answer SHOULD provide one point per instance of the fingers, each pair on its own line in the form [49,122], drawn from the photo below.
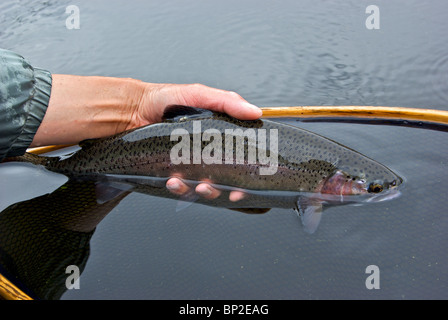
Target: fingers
[201,96]
[236,196]
[156,97]
[177,186]
[207,191]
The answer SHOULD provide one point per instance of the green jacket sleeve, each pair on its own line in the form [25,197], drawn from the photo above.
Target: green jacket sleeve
[24,96]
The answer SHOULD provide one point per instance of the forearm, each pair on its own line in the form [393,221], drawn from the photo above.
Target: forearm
[88,107]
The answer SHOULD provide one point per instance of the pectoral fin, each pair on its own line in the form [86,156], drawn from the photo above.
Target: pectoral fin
[310,212]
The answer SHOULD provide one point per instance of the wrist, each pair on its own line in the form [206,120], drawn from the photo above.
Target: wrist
[89,107]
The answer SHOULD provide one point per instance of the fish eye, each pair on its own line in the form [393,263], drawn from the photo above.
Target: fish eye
[375,187]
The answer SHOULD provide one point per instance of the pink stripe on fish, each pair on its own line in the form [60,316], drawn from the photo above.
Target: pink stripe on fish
[341,184]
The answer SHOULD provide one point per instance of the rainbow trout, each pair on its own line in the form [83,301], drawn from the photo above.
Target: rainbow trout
[260,156]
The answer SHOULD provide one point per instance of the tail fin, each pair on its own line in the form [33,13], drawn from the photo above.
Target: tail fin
[31,158]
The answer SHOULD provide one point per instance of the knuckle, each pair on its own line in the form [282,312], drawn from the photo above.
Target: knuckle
[234,94]
[198,86]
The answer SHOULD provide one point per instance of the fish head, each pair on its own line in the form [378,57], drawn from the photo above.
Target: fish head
[357,178]
[346,184]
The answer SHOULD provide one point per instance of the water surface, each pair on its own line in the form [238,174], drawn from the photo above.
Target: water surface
[274,54]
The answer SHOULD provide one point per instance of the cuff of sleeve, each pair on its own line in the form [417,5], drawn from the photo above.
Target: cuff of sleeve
[37,107]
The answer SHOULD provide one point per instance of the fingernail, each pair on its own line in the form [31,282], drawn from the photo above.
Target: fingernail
[173,185]
[205,191]
[254,108]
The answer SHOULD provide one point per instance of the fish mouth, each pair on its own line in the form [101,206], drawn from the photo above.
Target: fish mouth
[396,182]
[390,190]
[378,186]
[384,196]
[359,198]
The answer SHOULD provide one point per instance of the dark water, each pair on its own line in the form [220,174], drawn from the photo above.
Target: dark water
[273,54]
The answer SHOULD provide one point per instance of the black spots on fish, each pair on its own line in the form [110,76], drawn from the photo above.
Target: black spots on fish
[240,123]
[308,174]
[316,166]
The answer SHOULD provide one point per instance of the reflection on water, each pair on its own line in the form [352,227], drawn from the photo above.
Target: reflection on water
[272,53]
[41,237]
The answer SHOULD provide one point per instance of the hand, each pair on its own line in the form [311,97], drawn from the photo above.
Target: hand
[158,97]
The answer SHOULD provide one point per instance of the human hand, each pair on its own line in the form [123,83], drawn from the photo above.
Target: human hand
[159,96]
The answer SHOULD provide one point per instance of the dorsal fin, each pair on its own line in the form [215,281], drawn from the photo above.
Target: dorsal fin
[177,113]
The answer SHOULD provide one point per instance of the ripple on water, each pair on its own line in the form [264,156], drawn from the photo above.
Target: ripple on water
[439,77]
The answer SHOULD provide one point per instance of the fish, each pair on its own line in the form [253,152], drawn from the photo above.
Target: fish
[263,158]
